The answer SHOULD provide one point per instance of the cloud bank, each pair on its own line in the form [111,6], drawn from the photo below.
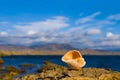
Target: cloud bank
[84,32]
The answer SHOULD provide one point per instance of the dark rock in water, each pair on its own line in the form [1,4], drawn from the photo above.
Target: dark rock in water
[7,75]
[1,67]
[26,65]
[1,61]
[12,69]
[52,71]
[50,66]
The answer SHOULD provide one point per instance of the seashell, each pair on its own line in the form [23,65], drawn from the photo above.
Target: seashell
[74,59]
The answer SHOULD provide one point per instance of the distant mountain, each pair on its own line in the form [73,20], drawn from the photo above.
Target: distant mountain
[12,47]
[53,46]
[110,50]
[48,49]
[98,52]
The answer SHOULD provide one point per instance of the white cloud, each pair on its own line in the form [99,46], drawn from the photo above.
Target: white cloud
[95,14]
[57,29]
[4,23]
[42,31]
[104,22]
[89,22]
[48,25]
[31,32]
[84,20]
[93,31]
[112,43]
[3,33]
[109,34]
[109,41]
[87,18]
[114,17]
[46,39]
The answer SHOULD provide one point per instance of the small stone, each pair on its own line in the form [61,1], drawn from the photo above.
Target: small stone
[1,61]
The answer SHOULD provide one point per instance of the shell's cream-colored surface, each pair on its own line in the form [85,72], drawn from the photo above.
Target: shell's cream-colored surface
[74,59]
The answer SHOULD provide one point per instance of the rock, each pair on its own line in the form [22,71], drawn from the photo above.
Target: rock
[51,66]
[52,71]
[28,77]
[12,69]
[110,76]
[7,75]
[26,65]
[78,78]
[56,70]
[1,61]
[3,72]
[1,67]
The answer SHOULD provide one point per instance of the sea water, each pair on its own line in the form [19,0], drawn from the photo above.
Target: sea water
[112,62]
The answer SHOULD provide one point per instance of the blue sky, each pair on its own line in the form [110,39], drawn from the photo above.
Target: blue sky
[81,23]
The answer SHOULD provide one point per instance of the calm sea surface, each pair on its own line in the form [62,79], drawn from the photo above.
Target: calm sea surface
[112,62]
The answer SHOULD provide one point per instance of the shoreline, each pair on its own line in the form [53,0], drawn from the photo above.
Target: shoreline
[55,55]
[59,73]
[63,73]
[55,52]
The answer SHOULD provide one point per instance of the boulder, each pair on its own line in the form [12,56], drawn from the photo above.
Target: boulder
[12,69]
[1,61]
[26,65]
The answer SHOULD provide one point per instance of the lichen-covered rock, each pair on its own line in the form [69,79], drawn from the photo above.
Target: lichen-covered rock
[52,71]
[26,65]
[79,78]
[28,77]
[1,67]
[56,71]
[1,61]
[50,66]
[4,72]
[94,72]
[110,76]
[7,75]
[12,69]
